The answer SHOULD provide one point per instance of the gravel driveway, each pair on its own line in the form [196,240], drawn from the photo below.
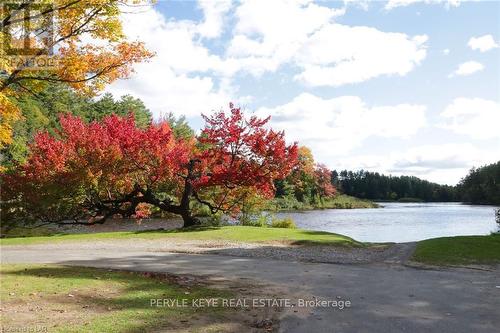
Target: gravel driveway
[396,253]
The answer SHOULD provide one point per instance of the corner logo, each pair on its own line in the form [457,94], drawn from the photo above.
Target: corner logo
[28,28]
[28,33]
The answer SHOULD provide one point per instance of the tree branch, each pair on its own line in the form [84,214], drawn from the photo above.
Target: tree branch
[7,20]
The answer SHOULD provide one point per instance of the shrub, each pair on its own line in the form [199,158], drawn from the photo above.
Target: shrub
[253,220]
[200,210]
[265,219]
[288,203]
[286,222]
[212,221]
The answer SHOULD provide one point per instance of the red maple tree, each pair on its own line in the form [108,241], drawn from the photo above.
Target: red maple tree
[323,178]
[87,173]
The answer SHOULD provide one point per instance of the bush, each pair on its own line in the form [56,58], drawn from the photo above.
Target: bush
[215,220]
[200,210]
[253,220]
[340,201]
[265,219]
[343,201]
[287,203]
[212,221]
[286,222]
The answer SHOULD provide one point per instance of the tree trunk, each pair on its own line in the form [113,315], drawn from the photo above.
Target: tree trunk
[189,220]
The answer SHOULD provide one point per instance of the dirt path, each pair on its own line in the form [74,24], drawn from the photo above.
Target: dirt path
[399,253]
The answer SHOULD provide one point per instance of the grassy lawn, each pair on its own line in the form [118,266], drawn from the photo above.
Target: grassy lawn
[459,250]
[77,299]
[230,233]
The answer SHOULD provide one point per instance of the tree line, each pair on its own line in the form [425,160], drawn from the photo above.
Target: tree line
[479,186]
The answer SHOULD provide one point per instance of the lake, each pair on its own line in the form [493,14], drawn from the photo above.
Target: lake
[400,222]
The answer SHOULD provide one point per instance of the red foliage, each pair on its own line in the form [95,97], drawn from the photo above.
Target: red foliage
[114,152]
[87,165]
[98,170]
[323,181]
[243,153]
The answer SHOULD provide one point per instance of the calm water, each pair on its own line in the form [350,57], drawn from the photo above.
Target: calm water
[400,222]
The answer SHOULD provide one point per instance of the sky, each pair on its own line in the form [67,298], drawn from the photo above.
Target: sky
[401,87]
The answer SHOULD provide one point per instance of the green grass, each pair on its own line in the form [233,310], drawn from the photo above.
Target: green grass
[78,299]
[230,233]
[460,250]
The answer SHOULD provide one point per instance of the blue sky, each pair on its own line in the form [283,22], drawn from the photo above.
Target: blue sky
[400,87]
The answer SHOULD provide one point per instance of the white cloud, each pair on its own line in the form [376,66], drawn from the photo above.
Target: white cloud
[328,54]
[339,54]
[391,4]
[177,79]
[214,13]
[163,91]
[335,129]
[363,4]
[476,117]
[446,51]
[337,125]
[467,68]
[186,77]
[260,44]
[442,156]
[483,43]
[263,42]
[175,43]
[441,163]
[296,18]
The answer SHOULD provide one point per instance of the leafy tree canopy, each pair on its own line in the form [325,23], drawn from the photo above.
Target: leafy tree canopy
[481,185]
[41,113]
[82,63]
[89,172]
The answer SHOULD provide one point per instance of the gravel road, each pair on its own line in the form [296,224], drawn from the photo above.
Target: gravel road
[396,253]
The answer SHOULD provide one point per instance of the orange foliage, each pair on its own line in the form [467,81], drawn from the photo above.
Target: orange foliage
[89,46]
